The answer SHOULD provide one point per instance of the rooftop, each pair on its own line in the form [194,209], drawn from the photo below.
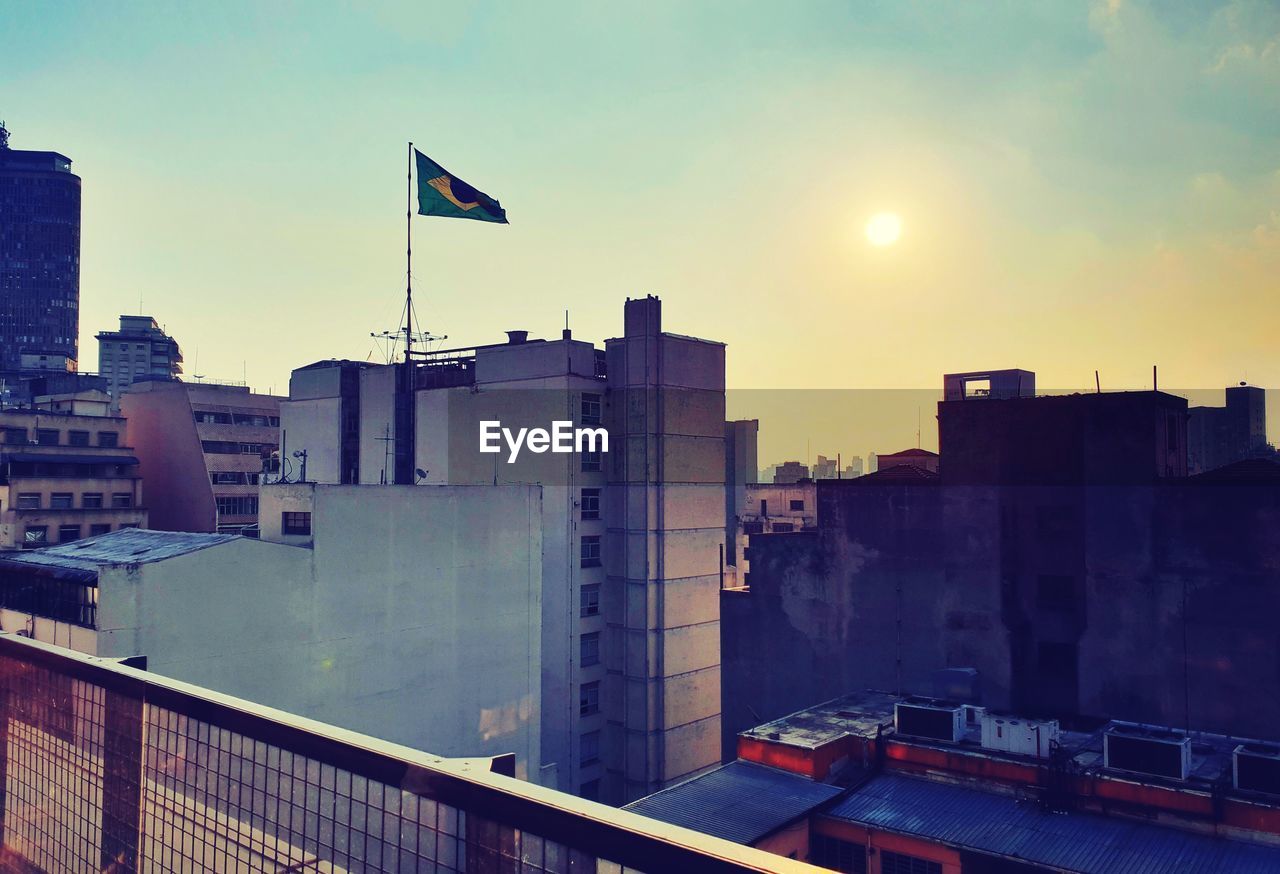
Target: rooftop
[1004,825]
[741,801]
[125,546]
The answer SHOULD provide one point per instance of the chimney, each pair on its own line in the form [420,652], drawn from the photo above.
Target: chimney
[515,338]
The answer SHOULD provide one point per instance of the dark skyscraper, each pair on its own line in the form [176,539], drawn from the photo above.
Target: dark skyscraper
[39,258]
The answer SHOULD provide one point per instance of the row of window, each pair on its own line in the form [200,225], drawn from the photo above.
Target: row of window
[237,505]
[38,535]
[209,417]
[233,478]
[66,500]
[53,437]
[231,447]
[851,858]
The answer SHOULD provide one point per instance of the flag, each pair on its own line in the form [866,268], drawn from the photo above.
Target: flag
[441,193]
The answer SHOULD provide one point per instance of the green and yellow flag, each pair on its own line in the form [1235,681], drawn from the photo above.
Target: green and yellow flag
[441,193]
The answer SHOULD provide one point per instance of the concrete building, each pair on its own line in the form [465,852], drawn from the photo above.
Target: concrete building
[1061,554]
[139,350]
[853,468]
[65,476]
[39,263]
[1218,436]
[825,468]
[630,685]
[790,472]
[433,645]
[883,784]
[202,448]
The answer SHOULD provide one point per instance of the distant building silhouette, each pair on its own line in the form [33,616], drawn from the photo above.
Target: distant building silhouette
[39,262]
[1061,551]
[1218,436]
[790,472]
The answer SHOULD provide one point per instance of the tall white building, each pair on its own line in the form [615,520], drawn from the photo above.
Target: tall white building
[631,536]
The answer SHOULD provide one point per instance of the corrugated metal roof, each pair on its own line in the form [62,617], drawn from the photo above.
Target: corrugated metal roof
[740,801]
[1007,826]
[125,546]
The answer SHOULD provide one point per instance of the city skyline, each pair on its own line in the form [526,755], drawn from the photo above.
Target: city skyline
[1113,158]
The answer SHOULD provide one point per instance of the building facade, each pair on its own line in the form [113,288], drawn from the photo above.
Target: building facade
[202,448]
[604,733]
[39,262]
[1061,554]
[64,477]
[139,350]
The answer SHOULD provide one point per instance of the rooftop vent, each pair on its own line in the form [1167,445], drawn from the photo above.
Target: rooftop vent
[1256,768]
[929,718]
[1158,752]
[515,338]
[1026,737]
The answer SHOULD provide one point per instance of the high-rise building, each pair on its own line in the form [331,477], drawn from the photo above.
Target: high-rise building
[632,532]
[39,259]
[139,350]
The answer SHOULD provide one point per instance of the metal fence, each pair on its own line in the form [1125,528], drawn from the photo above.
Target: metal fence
[111,769]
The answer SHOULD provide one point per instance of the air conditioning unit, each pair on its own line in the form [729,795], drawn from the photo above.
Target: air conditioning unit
[929,718]
[1256,768]
[1158,752]
[1026,737]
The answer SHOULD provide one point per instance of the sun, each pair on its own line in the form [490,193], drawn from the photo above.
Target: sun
[883,229]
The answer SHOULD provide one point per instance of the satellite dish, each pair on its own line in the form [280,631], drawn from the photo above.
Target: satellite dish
[422,474]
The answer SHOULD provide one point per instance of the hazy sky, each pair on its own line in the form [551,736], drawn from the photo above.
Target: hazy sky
[1081,185]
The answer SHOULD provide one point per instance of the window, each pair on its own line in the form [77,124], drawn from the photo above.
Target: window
[208,417]
[15,436]
[237,505]
[590,790]
[28,500]
[225,477]
[1055,592]
[108,438]
[78,438]
[47,436]
[591,461]
[295,523]
[219,447]
[590,503]
[591,550]
[68,533]
[588,699]
[589,600]
[60,501]
[797,506]
[99,528]
[35,535]
[589,649]
[122,499]
[764,506]
[589,749]
[838,855]
[590,409]
[91,501]
[898,863]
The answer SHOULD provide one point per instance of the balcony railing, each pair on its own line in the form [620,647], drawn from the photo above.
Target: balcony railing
[112,769]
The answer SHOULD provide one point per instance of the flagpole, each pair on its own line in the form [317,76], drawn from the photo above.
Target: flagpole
[408,255]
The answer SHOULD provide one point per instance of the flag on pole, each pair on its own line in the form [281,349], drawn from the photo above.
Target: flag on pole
[443,194]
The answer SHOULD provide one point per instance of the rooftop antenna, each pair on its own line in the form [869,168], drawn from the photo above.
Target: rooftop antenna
[1097,382]
[198,375]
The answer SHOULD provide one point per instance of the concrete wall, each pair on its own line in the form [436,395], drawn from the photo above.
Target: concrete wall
[415,617]
[163,432]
